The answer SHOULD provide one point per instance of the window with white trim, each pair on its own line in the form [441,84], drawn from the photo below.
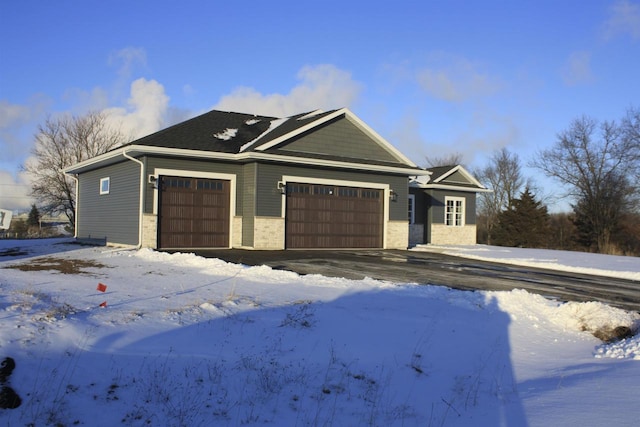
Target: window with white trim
[105,185]
[412,208]
[454,211]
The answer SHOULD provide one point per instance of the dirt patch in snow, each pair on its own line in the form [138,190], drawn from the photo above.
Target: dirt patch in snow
[64,266]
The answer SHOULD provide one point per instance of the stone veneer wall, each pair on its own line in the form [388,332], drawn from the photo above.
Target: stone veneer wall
[268,233]
[149,231]
[236,229]
[397,235]
[446,235]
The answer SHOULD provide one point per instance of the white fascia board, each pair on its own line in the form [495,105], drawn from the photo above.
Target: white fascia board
[373,134]
[464,172]
[134,150]
[246,156]
[332,163]
[94,160]
[455,188]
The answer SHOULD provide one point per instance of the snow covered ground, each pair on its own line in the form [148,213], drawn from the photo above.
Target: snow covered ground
[187,341]
[623,267]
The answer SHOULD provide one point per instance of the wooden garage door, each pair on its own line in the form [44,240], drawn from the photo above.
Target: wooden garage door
[194,213]
[325,216]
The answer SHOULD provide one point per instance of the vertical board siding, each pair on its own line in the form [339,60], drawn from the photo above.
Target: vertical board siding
[114,216]
[248,196]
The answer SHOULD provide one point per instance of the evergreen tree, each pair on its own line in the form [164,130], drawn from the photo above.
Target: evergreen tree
[34,217]
[525,223]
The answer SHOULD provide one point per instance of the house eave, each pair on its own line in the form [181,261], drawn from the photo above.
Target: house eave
[140,150]
[452,188]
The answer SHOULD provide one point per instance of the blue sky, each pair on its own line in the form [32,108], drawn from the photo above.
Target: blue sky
[432,77]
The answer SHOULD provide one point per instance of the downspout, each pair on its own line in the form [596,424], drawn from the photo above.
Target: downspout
[124,153]
[75,214]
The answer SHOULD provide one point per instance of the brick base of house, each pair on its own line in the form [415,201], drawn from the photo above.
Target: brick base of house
[149,231]
[268,233]
[446,235]
[236,232]
[397,235]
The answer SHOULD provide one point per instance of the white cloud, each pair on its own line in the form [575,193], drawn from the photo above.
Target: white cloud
[456,79]
[12,114]
[147,109]
[577,69]
[624,19]
[14,191]
[128,58]
[321,87]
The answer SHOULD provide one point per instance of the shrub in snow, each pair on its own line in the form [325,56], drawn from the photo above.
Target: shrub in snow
[609,334]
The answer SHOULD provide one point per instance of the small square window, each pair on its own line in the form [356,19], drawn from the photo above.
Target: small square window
[104,185]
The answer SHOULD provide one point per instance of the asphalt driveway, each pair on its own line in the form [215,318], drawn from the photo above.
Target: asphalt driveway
[444,270]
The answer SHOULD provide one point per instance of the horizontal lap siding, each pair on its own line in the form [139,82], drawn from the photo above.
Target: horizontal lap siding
[436,200]
[340,138]
[114,215]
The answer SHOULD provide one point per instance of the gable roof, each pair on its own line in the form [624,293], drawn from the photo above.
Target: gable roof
[453,177]
[243,137]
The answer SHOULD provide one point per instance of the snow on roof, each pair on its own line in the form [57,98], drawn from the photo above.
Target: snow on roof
[226,134]
[311,114]
[252,122]
[274,124]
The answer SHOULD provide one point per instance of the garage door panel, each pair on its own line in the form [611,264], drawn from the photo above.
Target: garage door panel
[319,216]
[194,213]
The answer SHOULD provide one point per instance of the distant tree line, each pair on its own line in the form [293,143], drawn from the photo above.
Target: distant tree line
[598,166]
[33,227]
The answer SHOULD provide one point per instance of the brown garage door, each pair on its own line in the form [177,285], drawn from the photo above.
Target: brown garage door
[194,213]
[325,216]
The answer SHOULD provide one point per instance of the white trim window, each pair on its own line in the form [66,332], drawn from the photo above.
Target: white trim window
[412,208]
[105,185]
[454,211]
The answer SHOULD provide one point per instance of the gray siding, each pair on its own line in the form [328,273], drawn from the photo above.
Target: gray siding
[340,138]
[435,205]
[457,178]
[269,199]
[114,216]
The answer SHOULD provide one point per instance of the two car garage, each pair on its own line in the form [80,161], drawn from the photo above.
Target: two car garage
[195,213]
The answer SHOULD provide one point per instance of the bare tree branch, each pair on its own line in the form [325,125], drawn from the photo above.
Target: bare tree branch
[504,176]
[599,166]
[60,143]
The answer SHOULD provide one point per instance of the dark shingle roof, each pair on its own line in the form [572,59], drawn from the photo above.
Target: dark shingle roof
[226,132]
[212,131]
[438,171]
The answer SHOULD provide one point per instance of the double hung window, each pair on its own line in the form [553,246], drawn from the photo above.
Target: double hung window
[454,211]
